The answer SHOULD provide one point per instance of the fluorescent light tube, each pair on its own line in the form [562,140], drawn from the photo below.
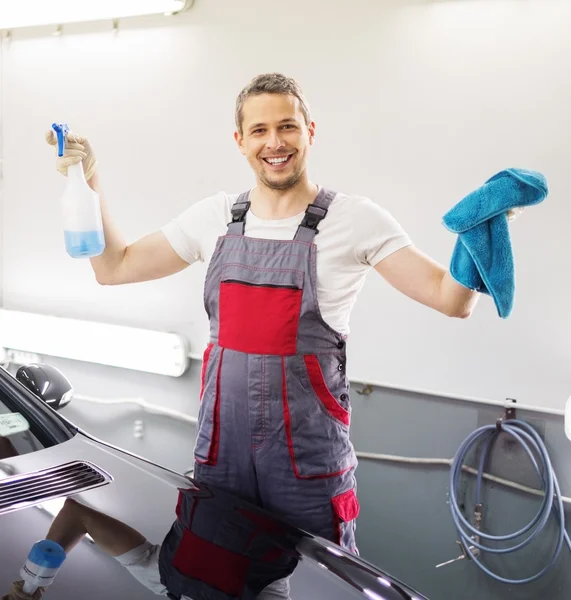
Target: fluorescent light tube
[33,13]
[113,345]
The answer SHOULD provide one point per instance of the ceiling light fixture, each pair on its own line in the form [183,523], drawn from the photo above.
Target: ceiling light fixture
[34,13]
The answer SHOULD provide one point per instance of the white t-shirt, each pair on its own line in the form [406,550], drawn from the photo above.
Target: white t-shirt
[355,235]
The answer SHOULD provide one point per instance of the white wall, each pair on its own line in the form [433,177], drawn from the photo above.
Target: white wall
[416,104]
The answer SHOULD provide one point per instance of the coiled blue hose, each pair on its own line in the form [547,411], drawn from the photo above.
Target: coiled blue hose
[528,438]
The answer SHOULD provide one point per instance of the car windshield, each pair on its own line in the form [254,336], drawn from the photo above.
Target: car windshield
[17,434]
[26,425]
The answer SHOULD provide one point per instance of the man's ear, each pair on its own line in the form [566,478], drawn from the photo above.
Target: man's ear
[311,129]
[240,141]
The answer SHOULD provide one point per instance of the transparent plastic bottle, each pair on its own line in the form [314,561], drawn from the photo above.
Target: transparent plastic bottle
[81,210]
[44,561]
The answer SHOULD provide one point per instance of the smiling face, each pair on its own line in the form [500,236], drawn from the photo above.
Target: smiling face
[275,139]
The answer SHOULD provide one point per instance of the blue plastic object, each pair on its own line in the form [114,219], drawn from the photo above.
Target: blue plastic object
[48,554]
[61,130]
[82,221]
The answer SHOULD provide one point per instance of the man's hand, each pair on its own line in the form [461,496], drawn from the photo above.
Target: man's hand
[419,277]
[76,149]
[514,213]
[16,593]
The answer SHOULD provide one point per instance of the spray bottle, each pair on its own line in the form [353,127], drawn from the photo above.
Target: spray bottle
[82,223]
[44,561]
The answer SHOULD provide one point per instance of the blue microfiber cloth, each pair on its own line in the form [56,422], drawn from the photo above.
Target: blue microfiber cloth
[482,259]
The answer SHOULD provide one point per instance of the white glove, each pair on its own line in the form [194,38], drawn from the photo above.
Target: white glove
[16,593]
[76,149]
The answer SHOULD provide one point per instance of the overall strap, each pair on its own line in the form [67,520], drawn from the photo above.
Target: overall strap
[314,213]
[239,210]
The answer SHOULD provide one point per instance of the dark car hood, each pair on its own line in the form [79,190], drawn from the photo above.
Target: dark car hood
[144,496]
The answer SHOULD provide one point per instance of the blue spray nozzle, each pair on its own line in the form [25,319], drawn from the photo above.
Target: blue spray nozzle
[61,130]
[47,553]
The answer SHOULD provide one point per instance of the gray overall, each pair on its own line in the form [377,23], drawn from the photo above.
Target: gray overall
[273,424]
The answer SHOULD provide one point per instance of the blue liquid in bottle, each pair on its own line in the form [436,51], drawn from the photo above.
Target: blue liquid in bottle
[80,244]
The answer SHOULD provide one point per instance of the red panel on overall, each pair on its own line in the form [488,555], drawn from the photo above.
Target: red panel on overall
[258,319]
[320,387]
[220,568]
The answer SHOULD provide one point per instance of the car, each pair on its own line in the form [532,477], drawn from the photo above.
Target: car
[233,548]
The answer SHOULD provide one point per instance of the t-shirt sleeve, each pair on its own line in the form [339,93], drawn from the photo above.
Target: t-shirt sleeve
[188,232]
[377,234]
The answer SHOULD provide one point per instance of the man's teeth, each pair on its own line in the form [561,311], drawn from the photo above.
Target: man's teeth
[276,161]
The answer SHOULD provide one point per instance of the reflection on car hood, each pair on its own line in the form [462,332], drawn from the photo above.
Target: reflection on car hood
[228,548]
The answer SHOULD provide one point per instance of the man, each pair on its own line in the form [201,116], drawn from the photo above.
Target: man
[286,262]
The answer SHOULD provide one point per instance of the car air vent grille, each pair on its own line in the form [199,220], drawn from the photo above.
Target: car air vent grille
[29,489]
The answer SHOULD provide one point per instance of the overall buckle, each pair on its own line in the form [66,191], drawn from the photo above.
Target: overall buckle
[239,210]
[313,215]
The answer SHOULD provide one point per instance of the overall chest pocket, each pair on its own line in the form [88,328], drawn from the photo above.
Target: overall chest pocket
[259,309]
